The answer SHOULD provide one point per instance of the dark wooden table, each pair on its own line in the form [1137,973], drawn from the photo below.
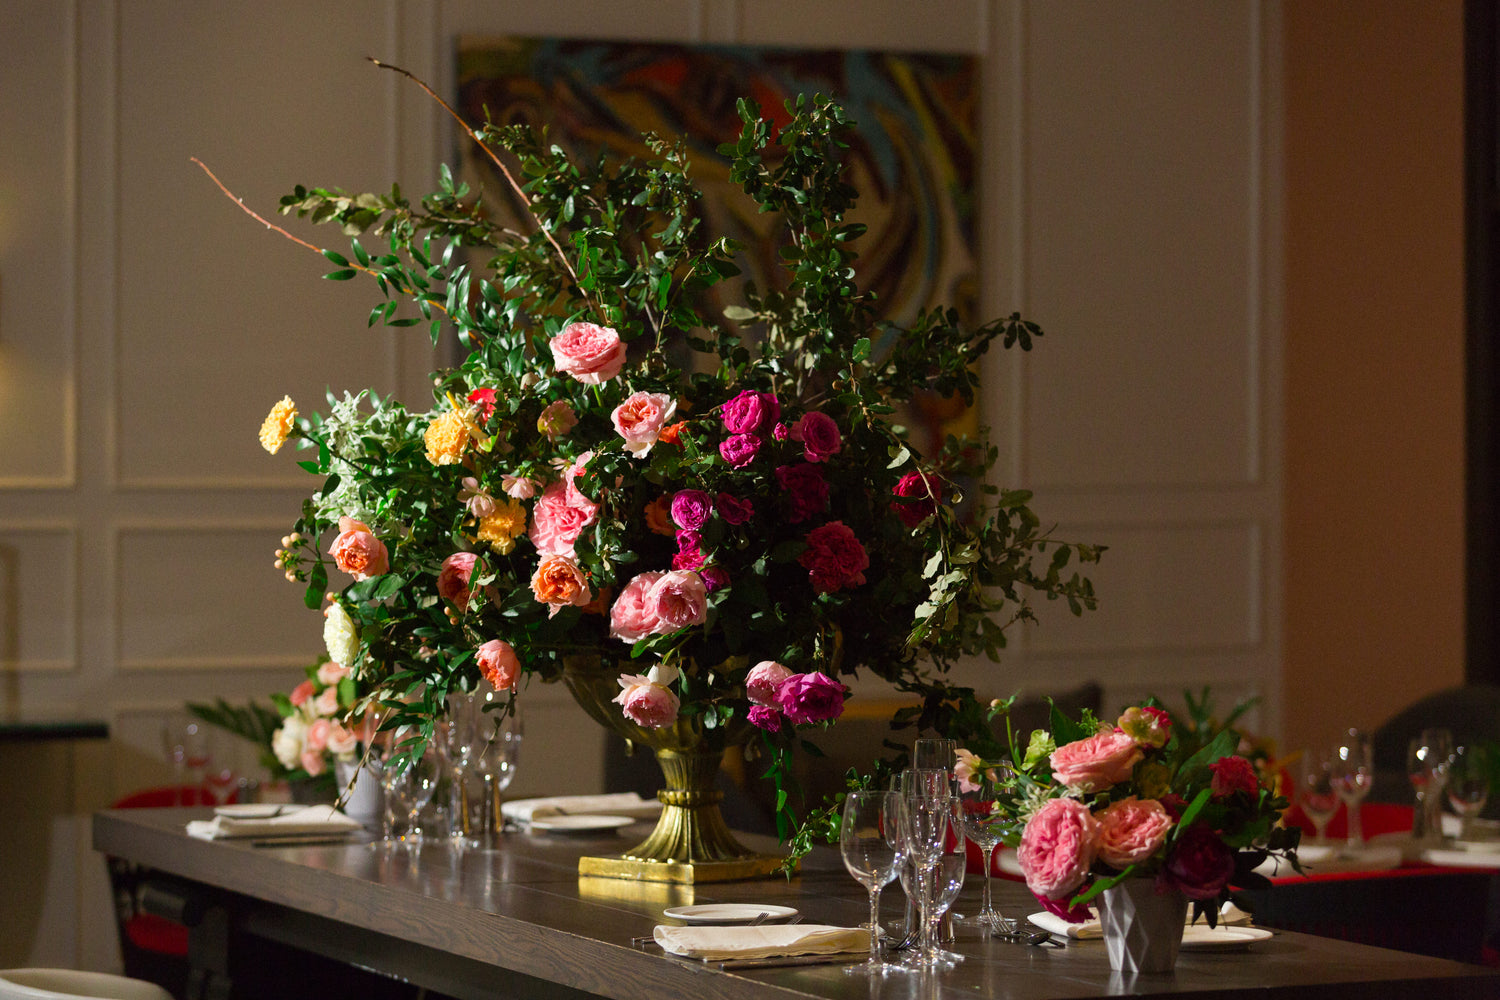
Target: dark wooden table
[520,922]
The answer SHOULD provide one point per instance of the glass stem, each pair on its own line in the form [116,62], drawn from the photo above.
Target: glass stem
[989,862]
[1356,835]
[874,924]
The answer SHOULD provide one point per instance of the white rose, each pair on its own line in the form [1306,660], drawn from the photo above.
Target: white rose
[340,635]
[287,742]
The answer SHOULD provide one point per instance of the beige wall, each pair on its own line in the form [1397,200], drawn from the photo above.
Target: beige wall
[1374,360]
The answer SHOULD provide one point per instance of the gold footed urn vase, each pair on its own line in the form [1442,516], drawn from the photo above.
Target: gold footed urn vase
[691,842]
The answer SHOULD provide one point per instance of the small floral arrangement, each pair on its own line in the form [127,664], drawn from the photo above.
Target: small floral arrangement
[721,506]
[317,724]
[1090,804]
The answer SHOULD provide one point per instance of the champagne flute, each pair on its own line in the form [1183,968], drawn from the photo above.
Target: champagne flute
[948,875]
[870,842]
[932,754]
[926,801]
[1427,768]
[1319,800]
[1353,773]
[1468,784]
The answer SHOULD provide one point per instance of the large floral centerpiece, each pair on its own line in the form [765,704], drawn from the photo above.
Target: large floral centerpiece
[1090,804]
[720,514]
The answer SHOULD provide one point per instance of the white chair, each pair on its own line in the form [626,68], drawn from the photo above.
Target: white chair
[67,984]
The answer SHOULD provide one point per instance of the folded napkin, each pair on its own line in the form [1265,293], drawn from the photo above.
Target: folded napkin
[1229,916]
[761,941]
[320,819]
[614,804]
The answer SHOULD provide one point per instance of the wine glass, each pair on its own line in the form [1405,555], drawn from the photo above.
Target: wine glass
[931,754]
[870,842]
[1468,784]
[1427,769]
[926,801]
[492,767]
[1353,773]
[983,823]
[1319,800]
[184,742]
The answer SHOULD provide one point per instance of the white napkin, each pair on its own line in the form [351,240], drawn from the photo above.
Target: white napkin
[614,804]
[302,822]
[761,941]
[1087,930]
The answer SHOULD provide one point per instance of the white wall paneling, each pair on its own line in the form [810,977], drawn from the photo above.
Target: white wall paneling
[38,598]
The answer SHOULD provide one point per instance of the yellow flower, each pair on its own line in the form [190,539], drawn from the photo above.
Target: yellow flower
[278,425]
[446,438]
[502,527]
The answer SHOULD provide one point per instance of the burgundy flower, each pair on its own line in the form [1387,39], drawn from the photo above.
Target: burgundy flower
[912,485]
[732,509]
[819,435]
[714,577]
[1200,864]
[766,718]
[806,488]
[1234,774]
[834,558]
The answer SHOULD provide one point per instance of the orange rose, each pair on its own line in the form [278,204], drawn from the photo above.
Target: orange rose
[558,582]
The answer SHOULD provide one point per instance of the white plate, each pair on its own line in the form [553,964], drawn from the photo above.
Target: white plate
[727,913]
[1201,937]
[254,810]
[579,824]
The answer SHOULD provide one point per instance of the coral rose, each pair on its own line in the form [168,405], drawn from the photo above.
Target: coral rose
[453,578]
[763,680]
[679,599]
[559,583]
[810,697]
[1131,830]
[834,558]
[659,516]
[632,617]
[640,419]
[1096,763]
[591,354]
[302,692]
[498,663]
[342,742]
[1057,847]
[819,435]
[357,551]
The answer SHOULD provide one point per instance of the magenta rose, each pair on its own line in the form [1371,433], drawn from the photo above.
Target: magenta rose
[640,419]
[811,697]
[646,703]
[765,718]
[453,577]
[739,450]
[357,551]
[1057,847]
[1131,830]
[498,663]
[1096,763]
[925,491]
[734,510]
[556,523]
[819,435]
[749,412]
[632,617]
[679,599]
[763,680]
[714,577]
[591,354]
[1234,774]
[689,552]
[805,488]
[691,509]
[834,558]
[1200,864]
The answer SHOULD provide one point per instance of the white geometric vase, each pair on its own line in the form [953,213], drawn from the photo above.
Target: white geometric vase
[1142,929]
[360,792]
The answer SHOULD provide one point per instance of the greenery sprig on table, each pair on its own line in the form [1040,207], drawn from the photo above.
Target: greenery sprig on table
[759,472]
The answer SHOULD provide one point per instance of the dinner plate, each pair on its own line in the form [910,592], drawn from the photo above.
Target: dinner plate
[727,913]
[579,824]
[254,810]
[1201,937]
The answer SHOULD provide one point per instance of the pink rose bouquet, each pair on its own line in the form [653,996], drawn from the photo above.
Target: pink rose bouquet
[1090,804]
[620,466]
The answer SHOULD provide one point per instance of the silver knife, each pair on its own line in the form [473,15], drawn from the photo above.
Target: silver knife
[846,957]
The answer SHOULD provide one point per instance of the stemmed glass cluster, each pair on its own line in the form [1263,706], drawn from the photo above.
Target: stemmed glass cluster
[1353,772]
[1427,769]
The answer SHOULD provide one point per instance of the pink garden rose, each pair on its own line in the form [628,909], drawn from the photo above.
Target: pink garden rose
[1057,847]
[556,523]
[574,495]
[834,558]
[331,673]
[678,599]
[1097,762]
[313,762]
[357,551]
[633,617]
[518,487]
[342,741]
[806,489]
[819,435]
[498,663]
[316,739]
[453,578]
[1234,774]
[1131,830]
[591,354]
[1200,864]
[739,450]
[645,702]
[556,419]
[763,680]
[925,491]
[639,420]
[302,692]
[750,412]
[691,509]
[327,702]
[810,697]
[765,717]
